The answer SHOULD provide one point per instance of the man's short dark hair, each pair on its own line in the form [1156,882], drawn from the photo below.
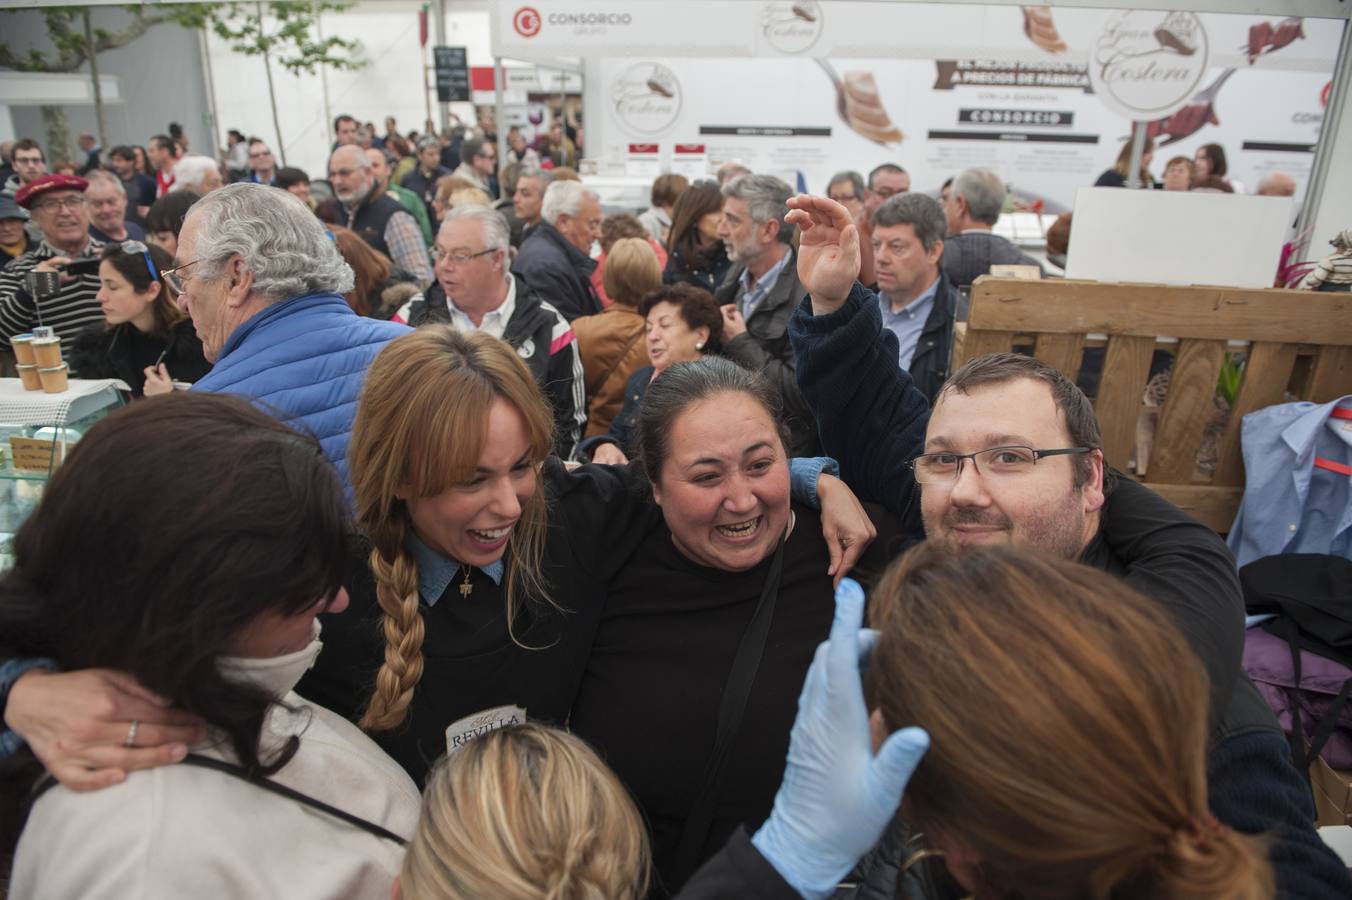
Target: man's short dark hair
[854,178]
[472,148]
[27,144]
[164,142]
[999,368]
[337,120]
[889,168]
[257,140]
[122,151]
[290,176]
[921,211]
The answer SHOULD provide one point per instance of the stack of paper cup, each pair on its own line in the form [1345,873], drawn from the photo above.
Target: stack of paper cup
[26,361]
[47,351]
[54,379]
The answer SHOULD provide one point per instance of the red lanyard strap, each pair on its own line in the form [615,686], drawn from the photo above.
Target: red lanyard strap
[1332,466]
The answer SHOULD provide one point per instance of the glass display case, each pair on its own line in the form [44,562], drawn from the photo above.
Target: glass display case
[36,431]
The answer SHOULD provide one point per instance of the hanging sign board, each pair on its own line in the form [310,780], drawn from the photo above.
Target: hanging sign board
[452,69]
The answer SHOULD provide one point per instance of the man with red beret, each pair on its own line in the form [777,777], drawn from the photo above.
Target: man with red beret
[58,207]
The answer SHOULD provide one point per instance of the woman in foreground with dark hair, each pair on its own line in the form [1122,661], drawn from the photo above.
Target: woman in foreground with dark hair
[190,543]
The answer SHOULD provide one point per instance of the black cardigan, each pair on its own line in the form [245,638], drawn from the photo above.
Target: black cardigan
[124,352]
[470,662]
[649,700]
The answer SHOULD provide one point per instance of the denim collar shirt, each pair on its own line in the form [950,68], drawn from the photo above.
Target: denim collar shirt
[1291,505]
[753,294]
[908,324]
[436,572]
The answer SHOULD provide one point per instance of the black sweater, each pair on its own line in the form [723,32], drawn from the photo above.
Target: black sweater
[470,661]
[124,352]
[649,700]
[873,421]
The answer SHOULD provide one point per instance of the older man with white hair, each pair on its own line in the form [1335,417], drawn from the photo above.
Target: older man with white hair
[555,257]
[378,218]
[199,174]
[476,292]
[972,208]
[263,282]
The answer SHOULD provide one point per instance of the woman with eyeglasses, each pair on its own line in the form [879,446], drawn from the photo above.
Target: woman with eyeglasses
[146,340]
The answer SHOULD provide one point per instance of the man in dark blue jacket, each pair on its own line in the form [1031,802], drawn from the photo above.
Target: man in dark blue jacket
[263,283]
[1010,454]
[555,258]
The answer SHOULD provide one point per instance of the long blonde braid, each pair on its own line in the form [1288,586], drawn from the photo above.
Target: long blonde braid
[397,593]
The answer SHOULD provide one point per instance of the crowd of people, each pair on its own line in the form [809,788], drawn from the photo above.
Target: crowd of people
[499,549]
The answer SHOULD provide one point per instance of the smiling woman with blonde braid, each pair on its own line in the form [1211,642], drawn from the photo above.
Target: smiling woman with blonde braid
[490,558]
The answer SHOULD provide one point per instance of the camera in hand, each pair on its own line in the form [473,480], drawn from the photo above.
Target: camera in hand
[42,285]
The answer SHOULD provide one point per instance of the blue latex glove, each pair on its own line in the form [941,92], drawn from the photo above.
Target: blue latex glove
[837,798]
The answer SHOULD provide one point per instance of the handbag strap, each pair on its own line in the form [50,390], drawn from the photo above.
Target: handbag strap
[730,710]
[595,386]
[1303,755]
[267,784]
[47,782]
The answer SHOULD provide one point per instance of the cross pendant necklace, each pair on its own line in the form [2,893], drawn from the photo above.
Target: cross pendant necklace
[466,589]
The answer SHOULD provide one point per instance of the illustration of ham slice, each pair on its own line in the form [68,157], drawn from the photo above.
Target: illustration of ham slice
[1200,112]
[662,82]
[863,109]
[1263,38]
[1177,33]
[1037,24]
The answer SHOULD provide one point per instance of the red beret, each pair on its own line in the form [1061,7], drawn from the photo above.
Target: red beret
[35,190]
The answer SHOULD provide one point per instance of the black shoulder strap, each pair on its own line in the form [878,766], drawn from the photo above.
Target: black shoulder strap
[267,784]
[1301,756]
[46,782]
[730,710]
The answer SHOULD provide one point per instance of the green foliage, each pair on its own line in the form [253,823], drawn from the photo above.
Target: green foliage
[1232,373]
[288,38]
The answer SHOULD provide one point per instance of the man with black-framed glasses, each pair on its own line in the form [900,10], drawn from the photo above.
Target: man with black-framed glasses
[60,209]
[1010,454]
[475,290]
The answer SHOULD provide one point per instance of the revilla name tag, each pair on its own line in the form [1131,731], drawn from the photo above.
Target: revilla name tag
[462,731]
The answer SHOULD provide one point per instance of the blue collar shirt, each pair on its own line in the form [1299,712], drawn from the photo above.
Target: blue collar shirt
[1289,505]
[436,572]
[908,324]
[753,294]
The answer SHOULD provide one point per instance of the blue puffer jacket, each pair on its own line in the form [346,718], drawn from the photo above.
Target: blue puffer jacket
[303,360]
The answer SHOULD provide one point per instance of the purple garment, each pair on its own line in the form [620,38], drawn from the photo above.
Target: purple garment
[1267,660]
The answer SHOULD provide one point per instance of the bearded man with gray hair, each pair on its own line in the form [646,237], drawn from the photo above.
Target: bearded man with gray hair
[263,283]
[760,292]
[376,217]
[555,257]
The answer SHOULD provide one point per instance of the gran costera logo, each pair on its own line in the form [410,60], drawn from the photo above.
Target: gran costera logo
[1146,64]
[646,98]
[791,26]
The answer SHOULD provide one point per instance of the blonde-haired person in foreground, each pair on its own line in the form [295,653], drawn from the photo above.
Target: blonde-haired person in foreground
[1068,722]
[526,812]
